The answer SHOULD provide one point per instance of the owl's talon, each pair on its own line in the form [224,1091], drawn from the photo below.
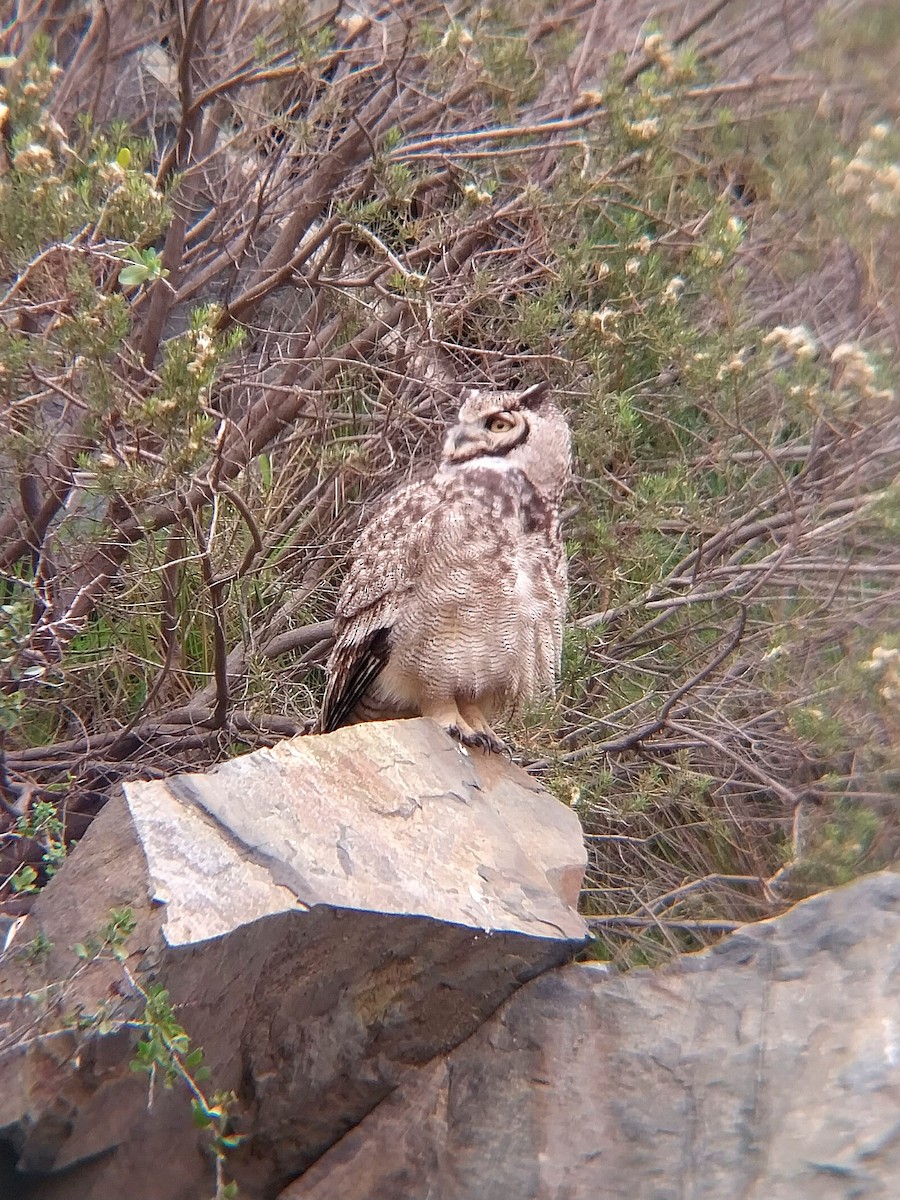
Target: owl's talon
[495,746]
[456,733]
[478,740]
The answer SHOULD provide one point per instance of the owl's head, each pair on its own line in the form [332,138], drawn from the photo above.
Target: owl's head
[525,428]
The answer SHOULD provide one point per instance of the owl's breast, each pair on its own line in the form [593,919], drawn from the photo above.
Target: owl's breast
[484,626]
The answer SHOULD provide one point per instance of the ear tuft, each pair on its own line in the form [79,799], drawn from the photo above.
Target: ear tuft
[532,396]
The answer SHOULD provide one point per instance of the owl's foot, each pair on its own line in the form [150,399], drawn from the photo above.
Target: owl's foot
[482,736]
[479,739]
[466,724]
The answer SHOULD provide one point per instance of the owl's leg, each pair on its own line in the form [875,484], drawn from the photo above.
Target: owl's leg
[450,715]
[485,737]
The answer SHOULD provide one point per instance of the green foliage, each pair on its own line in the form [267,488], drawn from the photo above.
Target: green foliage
[164,1045]
[37,950]
[23,879]
[111,938]
[330,281]
[14,626]
[43,825]
[165,1053]
[55,189]
[840,850]
[147,267]
[163,1050]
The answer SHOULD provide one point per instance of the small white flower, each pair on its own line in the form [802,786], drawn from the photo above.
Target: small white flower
[353,24]
[658,49]
[796,340]
[458,34]
[605,321]
[882,656]
[889,177]
[735,365]
[673,290]
[855,370]
[883,204]
[476,195]
[644,130]
[33,160]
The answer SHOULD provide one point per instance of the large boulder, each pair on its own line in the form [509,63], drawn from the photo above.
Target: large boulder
[325,916]
[766,1067]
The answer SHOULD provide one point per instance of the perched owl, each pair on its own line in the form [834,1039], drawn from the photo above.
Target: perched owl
[454,602]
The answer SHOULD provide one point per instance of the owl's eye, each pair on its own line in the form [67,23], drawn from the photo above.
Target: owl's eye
[499,424]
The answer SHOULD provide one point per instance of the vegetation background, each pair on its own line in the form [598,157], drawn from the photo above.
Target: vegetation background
[250,253]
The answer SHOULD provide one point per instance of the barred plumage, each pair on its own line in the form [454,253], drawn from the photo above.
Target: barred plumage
[454,602]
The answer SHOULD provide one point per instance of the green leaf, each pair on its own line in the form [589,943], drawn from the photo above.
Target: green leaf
[146,264]
[194,1059]
[134,276]
[392,138]
[199,1112]
[123,158]
[265,470]
[23,880]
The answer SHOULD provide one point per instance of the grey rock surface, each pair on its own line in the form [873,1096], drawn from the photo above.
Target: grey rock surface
[324,915]
[767,1067]
[393,818]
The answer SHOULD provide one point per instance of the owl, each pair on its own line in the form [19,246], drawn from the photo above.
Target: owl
[454,601]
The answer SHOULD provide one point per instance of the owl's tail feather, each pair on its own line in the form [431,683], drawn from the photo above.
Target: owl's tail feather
[353,669]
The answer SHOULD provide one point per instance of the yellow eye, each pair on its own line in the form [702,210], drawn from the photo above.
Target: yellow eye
[499,424]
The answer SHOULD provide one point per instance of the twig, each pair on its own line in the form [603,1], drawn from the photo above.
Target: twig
[699,926]
[216,589]
[663,719]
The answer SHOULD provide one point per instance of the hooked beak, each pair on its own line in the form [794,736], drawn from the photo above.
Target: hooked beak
[460,439]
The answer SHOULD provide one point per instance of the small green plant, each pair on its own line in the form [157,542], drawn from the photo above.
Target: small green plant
[24,879]
[839,848]
[165,1053]
[164,1050]
[37,949]
[146,267]
[112,937]
[44,825]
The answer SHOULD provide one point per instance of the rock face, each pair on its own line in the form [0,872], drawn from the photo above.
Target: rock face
[766,1068]
[364,932]
[324,915]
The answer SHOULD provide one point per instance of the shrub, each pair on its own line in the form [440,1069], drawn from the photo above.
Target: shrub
[246,264]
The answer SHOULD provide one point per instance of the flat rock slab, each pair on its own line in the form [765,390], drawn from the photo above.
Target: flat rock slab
[324,915]
[392,818]
[767,1067]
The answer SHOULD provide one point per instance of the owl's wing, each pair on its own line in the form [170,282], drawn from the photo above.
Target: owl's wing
[385,562]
